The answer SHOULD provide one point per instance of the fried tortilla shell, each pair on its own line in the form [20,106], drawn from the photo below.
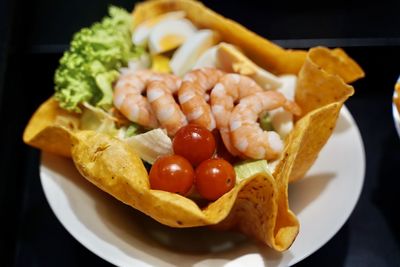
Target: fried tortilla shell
[258,206]
[253,205]
[50,127]
[337,62]
[320,93]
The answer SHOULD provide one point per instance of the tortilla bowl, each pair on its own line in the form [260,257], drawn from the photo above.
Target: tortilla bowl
[258,206]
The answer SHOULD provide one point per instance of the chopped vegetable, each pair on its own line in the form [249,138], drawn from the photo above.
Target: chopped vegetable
[132,130]
[140,63]
[104,83]
[151,145]
[214,177]
[89,67]
[173,174]
[266,123]
[98,120]
[249,168]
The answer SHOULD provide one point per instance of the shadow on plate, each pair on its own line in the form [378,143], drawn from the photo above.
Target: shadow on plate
[305,191]
[140,237]
[342,125]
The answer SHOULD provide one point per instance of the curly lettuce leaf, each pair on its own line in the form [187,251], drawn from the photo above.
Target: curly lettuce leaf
[88,69]
[104,83]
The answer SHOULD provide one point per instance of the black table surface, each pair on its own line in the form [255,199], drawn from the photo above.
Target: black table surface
[34,35]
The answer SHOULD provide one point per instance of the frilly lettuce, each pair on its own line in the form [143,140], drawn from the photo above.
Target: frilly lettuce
[88,69]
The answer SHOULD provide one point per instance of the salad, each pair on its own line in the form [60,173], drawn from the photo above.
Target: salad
[191,118]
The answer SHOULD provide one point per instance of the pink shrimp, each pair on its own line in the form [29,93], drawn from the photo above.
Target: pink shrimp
[246,134]
[128,98]
[160,95]
[193,95]
[230,89]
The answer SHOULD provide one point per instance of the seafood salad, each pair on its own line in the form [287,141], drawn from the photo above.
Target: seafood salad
[206,99]
[175,82]
[193,119]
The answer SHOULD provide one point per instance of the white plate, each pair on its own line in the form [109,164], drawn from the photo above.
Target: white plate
[123,236]
[396,115]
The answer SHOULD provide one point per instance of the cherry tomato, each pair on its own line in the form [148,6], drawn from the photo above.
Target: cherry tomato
[173,174]
[214,177]
[195,143]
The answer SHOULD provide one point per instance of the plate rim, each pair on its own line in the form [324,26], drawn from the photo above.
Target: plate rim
[396,112]
[346,112]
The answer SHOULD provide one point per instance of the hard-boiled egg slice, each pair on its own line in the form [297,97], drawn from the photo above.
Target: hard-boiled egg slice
[288,87]
[230,59]
[142,31]
[169,35]
[207,59]
[282,120]
[186,56]
[160,63]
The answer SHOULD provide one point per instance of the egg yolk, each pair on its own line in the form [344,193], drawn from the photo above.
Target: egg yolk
[171,41]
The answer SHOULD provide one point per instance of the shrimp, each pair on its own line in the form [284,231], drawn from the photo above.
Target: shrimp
[230,89]
[160,96]
[128,97]
[246,134]
[129,100]
[193,96]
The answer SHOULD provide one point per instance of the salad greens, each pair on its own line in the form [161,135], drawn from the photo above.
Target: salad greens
[133,129]
[88,69]
[266,122]
[96,119]
[249,168]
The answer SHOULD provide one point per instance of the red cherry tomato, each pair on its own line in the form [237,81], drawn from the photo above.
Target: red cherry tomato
[195,143]
[173,174]
[214,177]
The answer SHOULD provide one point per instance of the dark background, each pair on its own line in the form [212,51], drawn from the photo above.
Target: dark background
[33,35]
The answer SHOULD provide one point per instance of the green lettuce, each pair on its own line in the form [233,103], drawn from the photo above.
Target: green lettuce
[249,168]
[133,129]
[266,122]
[96,119]
[88,69]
